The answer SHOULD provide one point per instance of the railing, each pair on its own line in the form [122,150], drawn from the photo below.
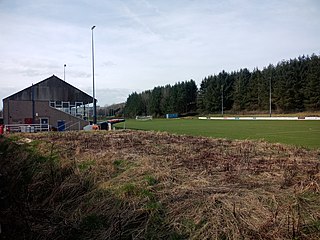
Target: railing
[68,128]
[67,110]
[26,127]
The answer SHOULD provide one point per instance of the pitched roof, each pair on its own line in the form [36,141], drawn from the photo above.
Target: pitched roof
[52,89]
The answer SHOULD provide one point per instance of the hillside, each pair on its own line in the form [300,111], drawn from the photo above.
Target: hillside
[291,86]
[150,185]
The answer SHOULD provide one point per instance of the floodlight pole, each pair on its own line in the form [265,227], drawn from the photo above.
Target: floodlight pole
[33,105]
[64,72]
[93,95]
[222,100]
[270,96]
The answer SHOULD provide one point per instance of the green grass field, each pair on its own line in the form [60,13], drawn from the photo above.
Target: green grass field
[299,133]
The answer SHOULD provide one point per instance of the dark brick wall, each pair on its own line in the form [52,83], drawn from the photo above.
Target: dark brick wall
[19,110]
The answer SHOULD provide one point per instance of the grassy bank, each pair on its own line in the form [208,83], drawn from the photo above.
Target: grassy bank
[298,133]
[51,190]
[147,185]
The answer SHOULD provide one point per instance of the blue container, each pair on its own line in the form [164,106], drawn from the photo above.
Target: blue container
[61,125]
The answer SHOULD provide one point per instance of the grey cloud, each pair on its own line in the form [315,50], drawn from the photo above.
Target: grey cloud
[141,44]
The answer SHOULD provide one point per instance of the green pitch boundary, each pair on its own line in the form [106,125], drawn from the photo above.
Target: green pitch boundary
[298,133]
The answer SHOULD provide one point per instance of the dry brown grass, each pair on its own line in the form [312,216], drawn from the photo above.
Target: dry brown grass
[149,185]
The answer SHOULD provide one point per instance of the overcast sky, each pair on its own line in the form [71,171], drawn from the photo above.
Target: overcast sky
[140,44]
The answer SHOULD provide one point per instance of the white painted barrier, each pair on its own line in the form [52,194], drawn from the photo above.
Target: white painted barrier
[259,118]
[312,118]
[30,128]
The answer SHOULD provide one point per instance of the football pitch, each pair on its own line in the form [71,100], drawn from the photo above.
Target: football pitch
[299,133]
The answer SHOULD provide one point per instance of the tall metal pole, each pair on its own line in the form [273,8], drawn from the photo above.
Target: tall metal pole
[64,72]
[270,96]
[93,95]
[222,101]
[33,105]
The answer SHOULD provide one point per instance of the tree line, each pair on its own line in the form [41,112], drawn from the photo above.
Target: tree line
[292,85]
[179,98]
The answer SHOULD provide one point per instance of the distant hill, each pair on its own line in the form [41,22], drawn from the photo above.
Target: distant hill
[111,110]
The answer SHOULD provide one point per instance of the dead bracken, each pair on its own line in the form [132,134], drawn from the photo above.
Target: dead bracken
[142,185]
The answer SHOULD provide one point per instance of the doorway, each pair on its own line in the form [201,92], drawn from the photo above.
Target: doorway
[44,124]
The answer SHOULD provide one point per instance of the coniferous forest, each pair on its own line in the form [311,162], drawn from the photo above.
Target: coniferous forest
[294,86]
